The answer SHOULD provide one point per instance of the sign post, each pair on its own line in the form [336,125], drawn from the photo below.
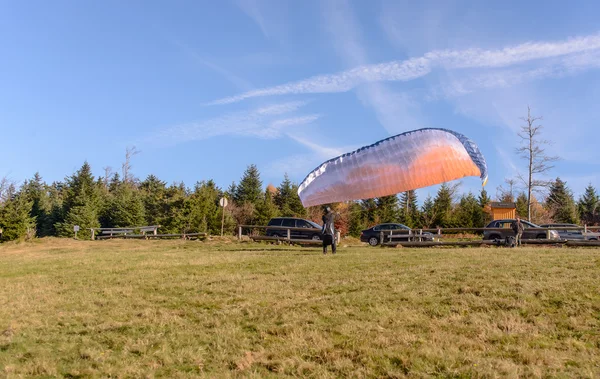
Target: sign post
[223,204]
[76,229]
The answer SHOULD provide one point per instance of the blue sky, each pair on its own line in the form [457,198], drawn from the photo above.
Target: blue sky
[204,88]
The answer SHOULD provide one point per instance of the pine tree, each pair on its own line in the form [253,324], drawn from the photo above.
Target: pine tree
[15,216]
[409,209]
[56,195]
[206,211]
[266,209]
[483,199]
[356,222]
[522,205]
[154,199]
[561,204]
[589,206]
[81,205]
[250,187]
[442,206]
[387,208]
[469,212]
[428,213]
[35,192]
[178,208]
[283,197]
[124,207]
[231,191]
[369,211]
[295,203]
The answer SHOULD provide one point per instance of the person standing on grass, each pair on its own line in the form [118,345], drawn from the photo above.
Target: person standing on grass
[328,231]
[517,227]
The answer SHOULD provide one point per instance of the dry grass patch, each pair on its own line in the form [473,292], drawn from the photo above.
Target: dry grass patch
[219,308]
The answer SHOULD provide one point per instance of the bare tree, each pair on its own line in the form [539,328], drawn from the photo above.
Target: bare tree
[129,153]
[531,150]
[107,174]
[507,194]
[5,185]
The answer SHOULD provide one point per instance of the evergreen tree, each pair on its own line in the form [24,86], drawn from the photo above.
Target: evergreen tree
[469,212]
[231,191]
[522,204]
[206,211]
[295,203]
[369,212]
[81,205]
[266,209]
[387,208]
[428,213]
[124,207]
[250,187]
[483,199]
[178,208]
[356,222]
[442,206]
[283,197]
[15,216]
[589,206]
[56,194]
[561,204]
[35,191]
[153,191]
[409,209]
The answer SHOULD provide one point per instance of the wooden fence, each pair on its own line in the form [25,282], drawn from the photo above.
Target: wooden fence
[417,237]
[143,232]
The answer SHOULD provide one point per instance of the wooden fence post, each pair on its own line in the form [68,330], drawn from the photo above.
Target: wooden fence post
[240,233]
[381,238]
[420,235]
[289,234]
[93,233]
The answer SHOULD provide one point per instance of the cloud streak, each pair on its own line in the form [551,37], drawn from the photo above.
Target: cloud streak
[414,68]
[268,122]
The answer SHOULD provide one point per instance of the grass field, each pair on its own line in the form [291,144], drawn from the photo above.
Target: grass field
[225,309]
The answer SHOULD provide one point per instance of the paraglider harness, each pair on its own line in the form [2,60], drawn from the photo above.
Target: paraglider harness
[509,241]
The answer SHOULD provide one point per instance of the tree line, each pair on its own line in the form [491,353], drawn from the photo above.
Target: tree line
[39,209]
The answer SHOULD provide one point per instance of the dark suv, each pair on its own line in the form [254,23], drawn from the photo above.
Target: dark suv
[530,231]
[372,235]
[306,229]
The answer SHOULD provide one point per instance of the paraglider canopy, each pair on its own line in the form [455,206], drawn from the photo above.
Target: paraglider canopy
[406,161]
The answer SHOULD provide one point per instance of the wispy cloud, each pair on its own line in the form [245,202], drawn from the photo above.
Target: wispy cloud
[322,152]
[510,77]
[239,82]
[396,112]
[414,68]
[252,10]
[268,122]
[298,165]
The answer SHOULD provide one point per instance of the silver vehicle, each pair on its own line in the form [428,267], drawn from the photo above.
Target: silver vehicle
[573,234]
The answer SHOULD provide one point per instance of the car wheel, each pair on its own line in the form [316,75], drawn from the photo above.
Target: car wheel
[373,241]
[316,237]
[495,237]
[275,235]
[593,239]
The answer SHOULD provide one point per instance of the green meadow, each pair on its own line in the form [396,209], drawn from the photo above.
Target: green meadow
[227,309]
